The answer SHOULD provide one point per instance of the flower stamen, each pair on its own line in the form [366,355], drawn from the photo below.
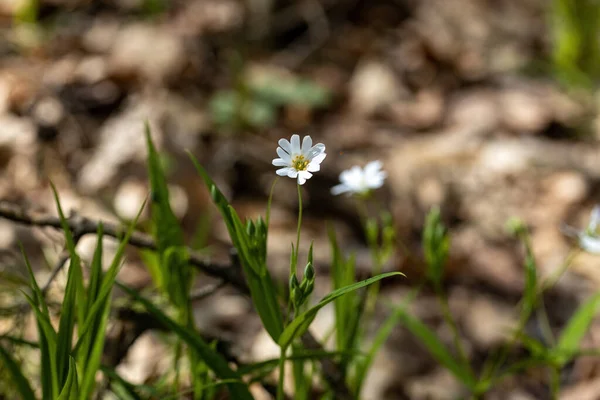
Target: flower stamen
[300,163]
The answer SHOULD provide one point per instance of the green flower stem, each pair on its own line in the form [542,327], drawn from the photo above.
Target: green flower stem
[554,382]
[372,290]
[447,314]
[280,385]
[294,265]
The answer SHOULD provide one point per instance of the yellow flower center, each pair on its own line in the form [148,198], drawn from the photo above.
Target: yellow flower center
[300,163]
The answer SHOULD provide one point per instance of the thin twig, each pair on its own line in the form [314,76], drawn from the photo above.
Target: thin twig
[231,274]
[206,291]
[62,260]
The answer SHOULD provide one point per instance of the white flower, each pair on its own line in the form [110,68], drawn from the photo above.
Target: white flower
[360,181]
[299,162]
[589,239]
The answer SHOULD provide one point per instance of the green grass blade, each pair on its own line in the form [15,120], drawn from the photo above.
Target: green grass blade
[92,362]
[214,360]
[262,289]
[93,289]
[107,284]
[436,348]
[571,336]
[70,390]
[18,379]
[168,232]
[47,340]
[380,338]
[301,323]
[38,296]
[66,325]
[176,274]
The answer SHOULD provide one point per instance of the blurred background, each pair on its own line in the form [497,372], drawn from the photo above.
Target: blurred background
[487,108]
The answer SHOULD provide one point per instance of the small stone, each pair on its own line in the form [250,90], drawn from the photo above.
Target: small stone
[372,86]
[129,199]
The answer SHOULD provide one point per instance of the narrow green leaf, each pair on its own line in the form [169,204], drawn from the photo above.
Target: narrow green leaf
[436,348]
[66,325]
[107,284]
[38,296]
[18,379]
[168,232]
[95,281]
[301,323]
[47,336]
[214,360]
[91,364]
[262,289]
[381,337]
[571,336]
[71,388]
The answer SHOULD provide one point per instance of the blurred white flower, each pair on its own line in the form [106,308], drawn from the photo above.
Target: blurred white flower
[357,180]
[589,239]
[298,162]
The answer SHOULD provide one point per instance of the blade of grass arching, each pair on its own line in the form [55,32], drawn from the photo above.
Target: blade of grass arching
[95,279]
[93,288]
[380,338]
[262,288]
[354,306]
[571,336]
[18,379]
[69,311]
[90,366]
[107,283]
[300,324]
[436,348]
[47,336]
[214,360]
[218,198]
[70,390]
[38,296]
[75,264]
[66,325]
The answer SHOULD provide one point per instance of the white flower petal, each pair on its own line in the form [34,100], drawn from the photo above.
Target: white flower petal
[373,167]
[305,174]
[315,151]
[306,144]
[284,156]
[594,219]
[292,173]
[284,171]
[590,244]
[339,189]
[318,159]
[313,167]
[278,162]
[285,145]
[295,145]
